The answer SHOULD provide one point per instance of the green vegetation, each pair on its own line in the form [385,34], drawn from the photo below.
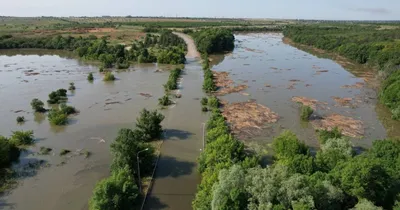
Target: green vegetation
[324,135]
[22,138]
[64,152]
[164,101]
[8,154]
[204,109]
[57,117]
[108,76]
[306,112]
[208,83]
[172,83]
[71,86]
[214,40]
[204,101]
[213,102]
[335,178]
[125,150]
[37,105]
[90,77]
[119,191]
[171,55]
[64,108]
[363,44]
[58,96]
[20,119]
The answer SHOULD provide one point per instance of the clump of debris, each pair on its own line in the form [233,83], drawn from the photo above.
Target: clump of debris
[358,85]
[313,103]
[347,125]
[225,85]
[248,118]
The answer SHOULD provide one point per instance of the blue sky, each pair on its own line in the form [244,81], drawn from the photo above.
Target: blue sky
[303,9]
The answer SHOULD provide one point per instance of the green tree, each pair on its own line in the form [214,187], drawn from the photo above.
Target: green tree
[333,152]
[90,77]
[364,177]
[119,191]
[229,192]
[296,192]
[149,124]
[364,204]
[125,148]
[22,138]
[287,145]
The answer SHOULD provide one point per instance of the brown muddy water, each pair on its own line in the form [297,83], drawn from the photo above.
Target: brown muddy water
[275,72]
[105,107]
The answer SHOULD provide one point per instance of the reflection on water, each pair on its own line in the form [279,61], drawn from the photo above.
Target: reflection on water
[275,72]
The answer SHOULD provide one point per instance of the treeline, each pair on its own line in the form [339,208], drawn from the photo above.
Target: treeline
[149,24]
[214,40]
[256,29]
[122,189]
[166,48]
[365,45]
[335,178]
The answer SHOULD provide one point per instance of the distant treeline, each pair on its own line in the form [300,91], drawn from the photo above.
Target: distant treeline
[214,40]
[365,45]
[149,24]
[166,48]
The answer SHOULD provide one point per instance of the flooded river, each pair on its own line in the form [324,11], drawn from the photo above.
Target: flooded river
[105,107]
[275,72]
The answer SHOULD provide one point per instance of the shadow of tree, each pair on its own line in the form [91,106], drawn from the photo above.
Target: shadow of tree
[177,134]
[171,167]
[154,203]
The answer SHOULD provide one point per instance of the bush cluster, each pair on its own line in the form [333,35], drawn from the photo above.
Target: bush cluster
[58,96]
[214,40]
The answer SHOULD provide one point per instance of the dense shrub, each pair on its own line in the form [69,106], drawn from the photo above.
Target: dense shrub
[213,102]
[71,86]
[171,55]
[108,76]
[90,77]
[8,152]
[58,96]
[22,138]
[20,119]
[67,109]
[164,101]
[57,117]
[324,135]
[37,105]
[204,101]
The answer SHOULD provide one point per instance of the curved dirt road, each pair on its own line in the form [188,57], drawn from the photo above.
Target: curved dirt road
[191,46]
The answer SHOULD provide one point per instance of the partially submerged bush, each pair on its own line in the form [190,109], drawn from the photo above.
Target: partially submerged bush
[90,77]
[204,109]
[64,152]
[213,102]
[58,96]
[204,101]
[57,117]
[164,101]
[37,105]
[20,119]
[22,138]
[109,77]
[122,65]
[8,152]
[71,86]
[45,150]
[64,108]
[306,112]
[172,83]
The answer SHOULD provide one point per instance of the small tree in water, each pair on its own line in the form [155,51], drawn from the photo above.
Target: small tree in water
[149,123]
[90,77]
[37,105]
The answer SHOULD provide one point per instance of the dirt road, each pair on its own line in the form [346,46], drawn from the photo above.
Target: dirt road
[191,46]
